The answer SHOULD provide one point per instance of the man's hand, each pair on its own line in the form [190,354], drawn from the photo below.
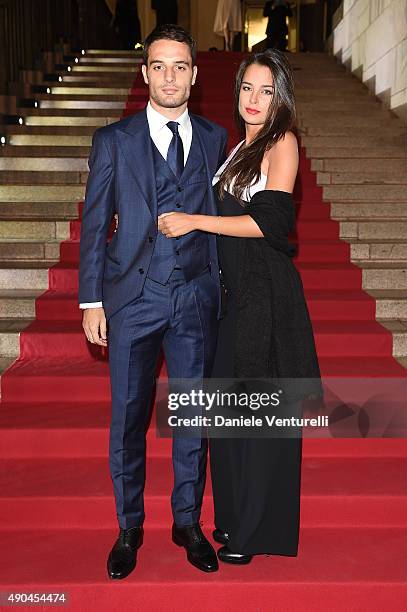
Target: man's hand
[94,325]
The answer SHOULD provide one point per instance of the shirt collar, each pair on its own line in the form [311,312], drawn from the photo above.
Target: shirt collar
[157,121]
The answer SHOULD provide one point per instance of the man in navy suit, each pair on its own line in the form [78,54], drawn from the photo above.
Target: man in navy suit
[149,290]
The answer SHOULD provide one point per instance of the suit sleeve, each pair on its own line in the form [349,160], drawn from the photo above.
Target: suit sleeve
[97,214]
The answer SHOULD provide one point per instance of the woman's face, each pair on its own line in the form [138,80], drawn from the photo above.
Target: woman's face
[256,94]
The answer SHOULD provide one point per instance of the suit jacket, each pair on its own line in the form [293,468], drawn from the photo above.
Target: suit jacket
[122,180]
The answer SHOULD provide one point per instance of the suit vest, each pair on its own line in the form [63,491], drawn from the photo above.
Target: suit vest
[190,253]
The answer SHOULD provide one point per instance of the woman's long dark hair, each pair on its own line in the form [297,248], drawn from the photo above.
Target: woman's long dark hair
[245,166]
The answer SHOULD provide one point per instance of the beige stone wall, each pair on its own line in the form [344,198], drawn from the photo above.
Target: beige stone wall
[202,20]
[371,38]
[201,16]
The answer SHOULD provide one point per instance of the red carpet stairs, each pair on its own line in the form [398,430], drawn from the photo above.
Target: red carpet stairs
[57,519]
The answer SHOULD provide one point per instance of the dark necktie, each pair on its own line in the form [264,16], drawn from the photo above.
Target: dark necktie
[175,155]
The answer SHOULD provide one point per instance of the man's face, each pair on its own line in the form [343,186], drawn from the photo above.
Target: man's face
[169,74]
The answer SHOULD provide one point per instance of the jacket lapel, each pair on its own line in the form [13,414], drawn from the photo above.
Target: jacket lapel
[135,144]
[209,152]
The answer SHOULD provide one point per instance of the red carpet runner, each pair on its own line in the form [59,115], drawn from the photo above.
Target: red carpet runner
[58,518]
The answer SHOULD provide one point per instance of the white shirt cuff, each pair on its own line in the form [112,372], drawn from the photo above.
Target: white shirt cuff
[91,305]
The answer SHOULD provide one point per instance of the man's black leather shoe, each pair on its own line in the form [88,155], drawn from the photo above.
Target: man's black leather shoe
[199,552]
[227,556]
[123,556]
[222,537]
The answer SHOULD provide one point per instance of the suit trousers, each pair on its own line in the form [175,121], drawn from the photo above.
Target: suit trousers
[180,317]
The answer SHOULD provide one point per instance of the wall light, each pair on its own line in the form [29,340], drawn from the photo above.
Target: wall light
[13,120]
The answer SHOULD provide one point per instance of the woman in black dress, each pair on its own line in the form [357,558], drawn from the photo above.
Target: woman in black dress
[266,332]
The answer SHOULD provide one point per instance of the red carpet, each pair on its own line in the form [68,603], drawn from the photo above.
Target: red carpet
[57,513]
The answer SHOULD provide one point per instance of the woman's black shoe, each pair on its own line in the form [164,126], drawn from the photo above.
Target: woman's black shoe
[222,537]
[227,556]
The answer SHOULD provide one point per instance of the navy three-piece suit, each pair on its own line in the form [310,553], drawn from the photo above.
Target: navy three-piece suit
[156,292]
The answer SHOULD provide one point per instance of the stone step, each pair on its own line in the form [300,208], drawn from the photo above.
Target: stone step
[48,130]
[18,303]
[362,178]
[386,275]
[35,140]
[10,336]
[113,53]
[83,98]
[70,112]
[44,151]
[339,94]
[40,164]
[18,177]
[388,166]
[312,115]
[86,60]
[82,104]
[63,121]
[363,192]
[369,210]
[305,75]
[358,152]
[378,251]
[358,104]
[357,140]
[30,251]
[104,69]
[33,230]
[111,78]
[40,193]
[51,210]
[398,328]
[380,117]
[5,363]
[28,276]
[390,304]
[346,131]
[378,230]
[330,81]
[61,90]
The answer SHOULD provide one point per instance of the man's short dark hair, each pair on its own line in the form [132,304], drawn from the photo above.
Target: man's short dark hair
[170,31]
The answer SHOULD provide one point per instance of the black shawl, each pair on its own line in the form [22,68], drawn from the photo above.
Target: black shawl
[274,336]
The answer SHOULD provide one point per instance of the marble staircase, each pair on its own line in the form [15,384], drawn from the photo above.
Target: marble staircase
[357,148]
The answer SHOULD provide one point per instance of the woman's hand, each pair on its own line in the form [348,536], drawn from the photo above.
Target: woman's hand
[174,224]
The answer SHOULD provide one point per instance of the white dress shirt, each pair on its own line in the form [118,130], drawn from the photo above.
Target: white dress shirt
[162,136]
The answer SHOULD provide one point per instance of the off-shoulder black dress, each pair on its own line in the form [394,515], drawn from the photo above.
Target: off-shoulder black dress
[266,332]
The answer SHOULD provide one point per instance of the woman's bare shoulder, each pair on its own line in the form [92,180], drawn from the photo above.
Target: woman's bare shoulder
[287,145]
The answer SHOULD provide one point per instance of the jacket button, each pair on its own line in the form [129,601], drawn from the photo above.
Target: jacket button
[178,205]
[150,239]
[179,188]
[141,270]
[177,252]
